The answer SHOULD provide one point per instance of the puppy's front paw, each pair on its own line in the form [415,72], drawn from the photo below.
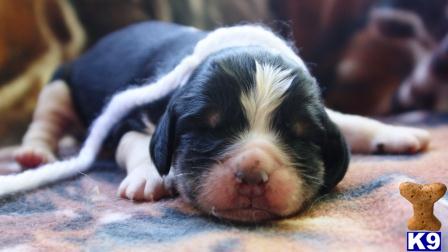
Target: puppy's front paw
[141,185]
[395,140]
[33,156]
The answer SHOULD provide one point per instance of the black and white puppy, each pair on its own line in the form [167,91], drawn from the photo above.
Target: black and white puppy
[231,119]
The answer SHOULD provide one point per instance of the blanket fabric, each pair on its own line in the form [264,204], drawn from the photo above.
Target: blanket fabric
[364,213]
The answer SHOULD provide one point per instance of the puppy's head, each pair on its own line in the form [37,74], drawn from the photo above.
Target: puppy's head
[248,137]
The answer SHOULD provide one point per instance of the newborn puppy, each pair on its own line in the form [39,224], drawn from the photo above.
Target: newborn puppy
[245,138]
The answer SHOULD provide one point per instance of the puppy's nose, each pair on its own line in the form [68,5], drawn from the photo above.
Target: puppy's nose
[252,177]
[251,182]
[251,167]
[250,173]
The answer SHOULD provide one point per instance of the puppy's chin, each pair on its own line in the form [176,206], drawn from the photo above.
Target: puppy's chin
[248,215]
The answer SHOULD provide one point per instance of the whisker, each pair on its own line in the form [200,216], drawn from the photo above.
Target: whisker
[183,174]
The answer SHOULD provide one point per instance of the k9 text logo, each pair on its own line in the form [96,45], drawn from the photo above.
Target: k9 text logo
[424,241]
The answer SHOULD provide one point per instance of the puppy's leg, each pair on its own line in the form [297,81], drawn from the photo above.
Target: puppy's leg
[54,112]
[143,181]
[366,135]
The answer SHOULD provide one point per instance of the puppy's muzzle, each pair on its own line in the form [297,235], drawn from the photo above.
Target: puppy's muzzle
[253,183]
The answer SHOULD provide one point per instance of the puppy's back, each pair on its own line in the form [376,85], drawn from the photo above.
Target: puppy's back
[134,55]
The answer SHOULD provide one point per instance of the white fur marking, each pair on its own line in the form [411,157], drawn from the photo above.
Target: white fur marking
[270,85]
[259,103]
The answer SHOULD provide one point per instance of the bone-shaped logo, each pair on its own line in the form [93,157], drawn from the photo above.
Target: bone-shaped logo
[422,198]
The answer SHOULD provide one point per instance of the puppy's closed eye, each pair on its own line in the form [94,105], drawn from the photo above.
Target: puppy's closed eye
[201,121]
[298,125]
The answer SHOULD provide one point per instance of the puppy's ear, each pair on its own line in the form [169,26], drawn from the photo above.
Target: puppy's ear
[336,155]
[162,143]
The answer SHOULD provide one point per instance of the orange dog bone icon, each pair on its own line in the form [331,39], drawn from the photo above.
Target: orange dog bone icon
[422,198]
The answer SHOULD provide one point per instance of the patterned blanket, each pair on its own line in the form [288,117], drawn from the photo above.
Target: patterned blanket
[364,213]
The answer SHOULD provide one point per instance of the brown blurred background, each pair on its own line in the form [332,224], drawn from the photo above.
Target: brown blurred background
[371,57]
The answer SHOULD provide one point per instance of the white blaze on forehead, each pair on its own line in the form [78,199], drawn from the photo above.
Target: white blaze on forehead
[260,101]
